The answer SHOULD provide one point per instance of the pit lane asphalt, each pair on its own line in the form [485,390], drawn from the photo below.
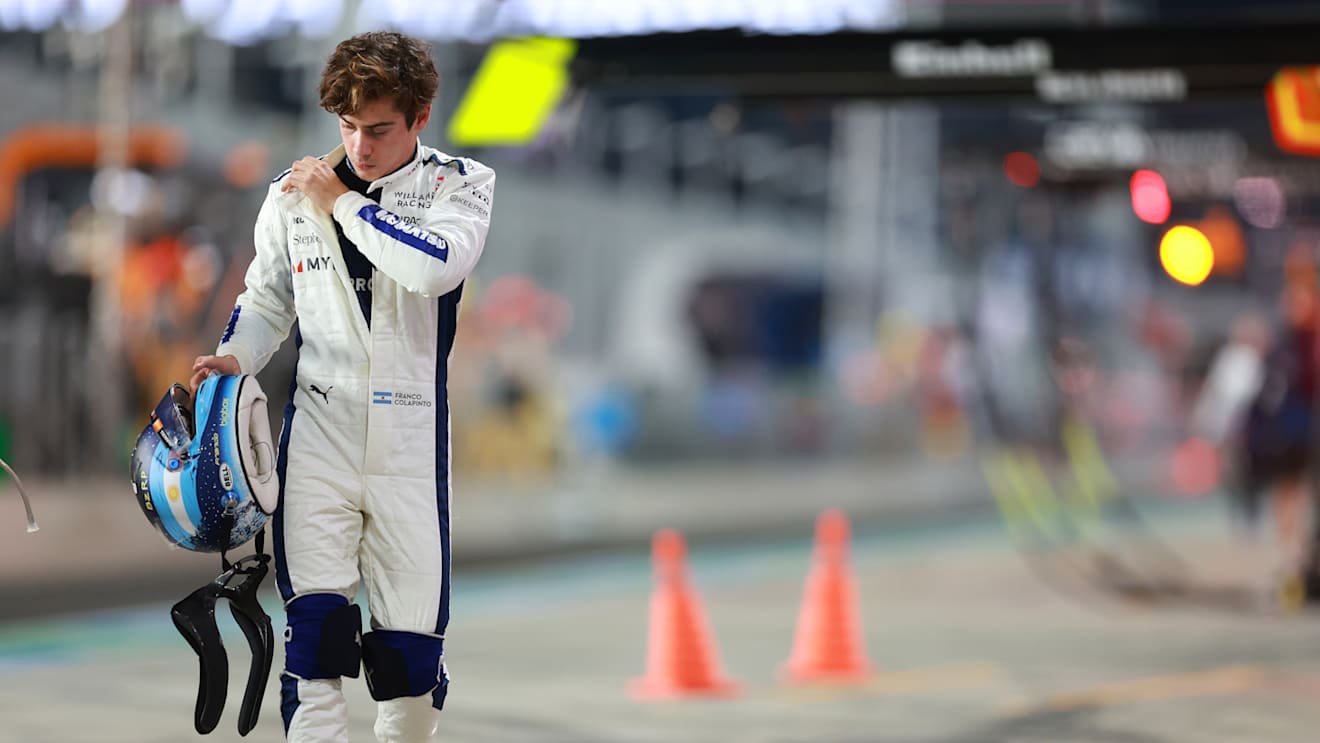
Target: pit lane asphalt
[969,645]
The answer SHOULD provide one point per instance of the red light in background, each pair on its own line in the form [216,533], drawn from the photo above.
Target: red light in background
[1150,197]
[1021,169]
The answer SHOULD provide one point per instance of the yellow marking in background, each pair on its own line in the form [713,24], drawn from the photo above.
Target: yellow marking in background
[1026,508]
[1093,483]
[1153,688]
[1049,508]
[1028,480]
[946,678]
[517,86]
[1291,595]
[1012,509]
[1094,478]
[908,681]
[1027,499]
[1295,683]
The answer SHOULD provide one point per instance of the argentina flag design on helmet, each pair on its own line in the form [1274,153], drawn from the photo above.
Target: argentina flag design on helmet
[205,476]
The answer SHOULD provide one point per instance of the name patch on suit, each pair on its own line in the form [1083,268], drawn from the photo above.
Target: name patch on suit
[400,399]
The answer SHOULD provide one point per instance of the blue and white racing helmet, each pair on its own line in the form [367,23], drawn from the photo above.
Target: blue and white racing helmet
[204,474]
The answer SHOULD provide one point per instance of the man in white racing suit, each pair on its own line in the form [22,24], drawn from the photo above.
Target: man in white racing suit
[367,248]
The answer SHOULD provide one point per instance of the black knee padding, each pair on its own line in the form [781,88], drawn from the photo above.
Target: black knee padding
[402,664]
[341,638]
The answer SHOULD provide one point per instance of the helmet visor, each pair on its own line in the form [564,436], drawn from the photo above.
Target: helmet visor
[172,419]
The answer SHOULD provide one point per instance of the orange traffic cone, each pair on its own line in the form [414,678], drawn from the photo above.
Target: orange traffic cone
[828,645]
[680,656]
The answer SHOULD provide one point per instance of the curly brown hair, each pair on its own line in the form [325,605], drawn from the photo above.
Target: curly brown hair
[379,64]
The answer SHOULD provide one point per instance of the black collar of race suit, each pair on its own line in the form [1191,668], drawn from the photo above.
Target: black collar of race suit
[408,166]
[194,617]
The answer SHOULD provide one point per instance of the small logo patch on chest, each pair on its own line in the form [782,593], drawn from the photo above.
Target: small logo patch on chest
[314,263]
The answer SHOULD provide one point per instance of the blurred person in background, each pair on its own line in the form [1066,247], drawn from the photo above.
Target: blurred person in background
[368,249]
[165,286]
[518,429]
[1279,422]
[1040,385]
[1016,315]
[1219,414]
[943,388]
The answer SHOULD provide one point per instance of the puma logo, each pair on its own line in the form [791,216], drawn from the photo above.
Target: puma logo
[325,395]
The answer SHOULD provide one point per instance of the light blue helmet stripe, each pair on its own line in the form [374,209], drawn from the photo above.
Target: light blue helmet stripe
[206,392]
[171,525]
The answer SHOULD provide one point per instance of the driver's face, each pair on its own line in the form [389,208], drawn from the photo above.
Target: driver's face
[378,139]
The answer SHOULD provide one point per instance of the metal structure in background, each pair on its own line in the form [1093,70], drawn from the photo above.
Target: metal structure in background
[884,173]
[1054,64]
[105,361]
[243,22]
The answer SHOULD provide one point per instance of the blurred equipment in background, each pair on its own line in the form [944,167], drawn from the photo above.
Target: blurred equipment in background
[69,146]
[22,493]
[1067,511]
[178,247]
[55,268]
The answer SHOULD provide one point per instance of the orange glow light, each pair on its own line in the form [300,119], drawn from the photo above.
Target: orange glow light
[1293,100]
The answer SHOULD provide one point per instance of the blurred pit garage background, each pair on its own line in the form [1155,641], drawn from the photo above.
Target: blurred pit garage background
[1027,289]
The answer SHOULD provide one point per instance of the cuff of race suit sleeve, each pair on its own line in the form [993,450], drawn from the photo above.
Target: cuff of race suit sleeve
[246,364]
[347,206]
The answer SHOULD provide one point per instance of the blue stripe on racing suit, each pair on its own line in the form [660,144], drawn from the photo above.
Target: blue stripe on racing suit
[457,163]
[282,579]
[390,224]
[446,327]
[233,322]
